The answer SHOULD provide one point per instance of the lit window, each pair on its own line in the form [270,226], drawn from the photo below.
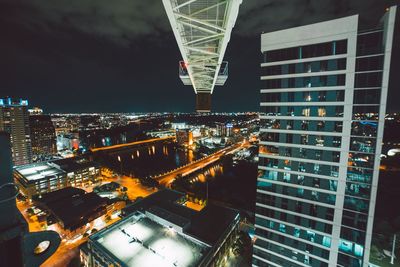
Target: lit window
[306,112]
[321,112]
[282,228]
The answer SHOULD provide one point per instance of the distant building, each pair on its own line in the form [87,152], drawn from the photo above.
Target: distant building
[39,178]
[319,158]
[220,129]
[178,125]
[160,231]
[43,137]
[14,119]
[69,141]
[35,111]
[204,131]
[224,129]
[229,129]
[184,137]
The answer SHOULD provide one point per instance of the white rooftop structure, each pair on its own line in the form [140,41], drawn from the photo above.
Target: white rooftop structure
[202,29]
[39,171]
[142,242]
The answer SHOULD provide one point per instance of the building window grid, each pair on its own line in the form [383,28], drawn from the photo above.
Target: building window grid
[313,250]
[365,152]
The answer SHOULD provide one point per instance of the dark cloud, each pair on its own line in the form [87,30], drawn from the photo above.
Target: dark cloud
[258,16]
[120,21]
[124,20]
[121,55]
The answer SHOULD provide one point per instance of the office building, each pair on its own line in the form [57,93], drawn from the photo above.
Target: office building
[324,91]
[14,119]
[160,230]
[43,137]
[40,178]
[220,129]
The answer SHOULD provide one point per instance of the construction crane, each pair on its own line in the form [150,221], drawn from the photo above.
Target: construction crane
[202,29]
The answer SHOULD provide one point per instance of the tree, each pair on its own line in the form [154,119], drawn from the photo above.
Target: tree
[30,211]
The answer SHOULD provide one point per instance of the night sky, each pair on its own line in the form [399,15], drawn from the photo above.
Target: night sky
[121,56]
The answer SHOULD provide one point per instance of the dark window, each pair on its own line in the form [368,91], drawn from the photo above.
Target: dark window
[340,95]
[317,50]
[340,47]
[315,81]
[363,80]
[370,43]
[368,96]
[369,63]
[355,220]
[271,97]
[282,54]
[346,260]
[271,70]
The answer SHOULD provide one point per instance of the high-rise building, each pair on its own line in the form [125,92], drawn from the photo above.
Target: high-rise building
[323,98]
[221,129]
[43,137]
[14,119]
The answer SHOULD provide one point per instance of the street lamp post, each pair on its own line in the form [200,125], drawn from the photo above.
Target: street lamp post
[393,248]
[120,166]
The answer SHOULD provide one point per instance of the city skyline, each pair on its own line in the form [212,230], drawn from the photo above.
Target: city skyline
[97,58]
[208,133]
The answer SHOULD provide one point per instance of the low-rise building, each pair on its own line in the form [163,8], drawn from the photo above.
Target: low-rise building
[160,230]
[75,211]
[39,178]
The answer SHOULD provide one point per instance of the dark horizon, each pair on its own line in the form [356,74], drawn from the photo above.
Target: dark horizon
[94,57]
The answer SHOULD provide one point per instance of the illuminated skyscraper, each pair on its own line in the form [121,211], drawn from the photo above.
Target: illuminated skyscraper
[323,98]
[14,119]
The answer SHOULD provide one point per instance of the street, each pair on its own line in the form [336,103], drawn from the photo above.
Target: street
[168,178]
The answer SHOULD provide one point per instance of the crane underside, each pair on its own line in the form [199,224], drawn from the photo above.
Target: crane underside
[202,29]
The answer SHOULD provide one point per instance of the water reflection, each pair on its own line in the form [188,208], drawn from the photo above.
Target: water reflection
[152,160]
[205,175]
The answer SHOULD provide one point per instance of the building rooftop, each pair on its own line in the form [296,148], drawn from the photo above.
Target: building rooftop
[207,225]
[73,164]
[139,241]
[38,170]
[74,207]
[12,102]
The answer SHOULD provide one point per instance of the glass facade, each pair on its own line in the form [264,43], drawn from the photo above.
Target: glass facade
[319,128]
